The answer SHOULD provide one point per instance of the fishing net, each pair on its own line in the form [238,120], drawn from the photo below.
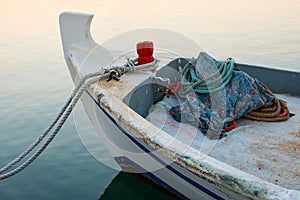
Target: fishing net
[211,106]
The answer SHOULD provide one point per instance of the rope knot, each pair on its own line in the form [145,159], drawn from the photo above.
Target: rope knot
[115,73]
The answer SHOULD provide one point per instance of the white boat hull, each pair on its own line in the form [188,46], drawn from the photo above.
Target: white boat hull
[134,156]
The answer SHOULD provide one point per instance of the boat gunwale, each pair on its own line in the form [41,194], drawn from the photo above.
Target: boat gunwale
[202,166]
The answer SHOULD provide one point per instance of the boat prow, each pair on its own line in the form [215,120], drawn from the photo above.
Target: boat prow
[82,54]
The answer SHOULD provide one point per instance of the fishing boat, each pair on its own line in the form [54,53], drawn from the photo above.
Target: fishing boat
[256,160]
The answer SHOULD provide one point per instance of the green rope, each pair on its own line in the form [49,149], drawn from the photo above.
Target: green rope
[214,83]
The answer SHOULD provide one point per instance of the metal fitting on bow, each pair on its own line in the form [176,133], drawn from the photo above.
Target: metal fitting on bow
[113,74]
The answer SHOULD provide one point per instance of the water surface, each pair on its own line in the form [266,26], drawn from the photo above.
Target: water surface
[35,81]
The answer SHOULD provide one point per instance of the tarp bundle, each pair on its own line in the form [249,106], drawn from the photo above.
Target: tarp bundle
[212,111]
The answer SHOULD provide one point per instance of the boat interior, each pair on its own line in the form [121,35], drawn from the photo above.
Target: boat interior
[268,150]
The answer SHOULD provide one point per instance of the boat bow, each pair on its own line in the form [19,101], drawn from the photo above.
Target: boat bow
[82,54]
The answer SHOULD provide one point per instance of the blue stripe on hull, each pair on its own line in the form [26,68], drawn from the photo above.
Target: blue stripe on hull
[189,180]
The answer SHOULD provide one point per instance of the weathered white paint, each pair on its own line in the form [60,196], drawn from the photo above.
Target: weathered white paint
[228,182]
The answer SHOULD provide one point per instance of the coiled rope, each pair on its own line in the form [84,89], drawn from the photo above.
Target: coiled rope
[274,111]
[65,112]
[214,83]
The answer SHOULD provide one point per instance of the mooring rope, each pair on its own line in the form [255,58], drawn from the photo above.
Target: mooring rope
[64,114]
[51,125]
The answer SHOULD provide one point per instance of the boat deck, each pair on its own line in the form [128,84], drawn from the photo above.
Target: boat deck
[270,151]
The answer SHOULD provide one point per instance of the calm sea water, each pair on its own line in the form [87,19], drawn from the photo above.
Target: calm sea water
[34,80]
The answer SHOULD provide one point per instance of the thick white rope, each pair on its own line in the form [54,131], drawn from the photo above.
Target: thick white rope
[64,113]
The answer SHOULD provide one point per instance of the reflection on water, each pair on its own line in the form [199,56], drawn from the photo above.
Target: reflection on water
[135,186]
[35,81]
